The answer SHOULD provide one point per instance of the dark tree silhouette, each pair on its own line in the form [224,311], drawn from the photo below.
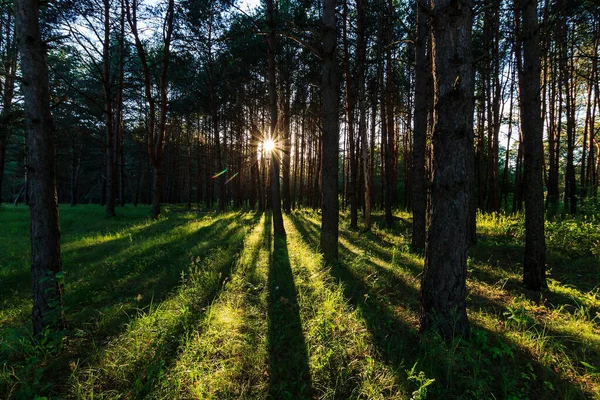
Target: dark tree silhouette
[46,264]
[443,287]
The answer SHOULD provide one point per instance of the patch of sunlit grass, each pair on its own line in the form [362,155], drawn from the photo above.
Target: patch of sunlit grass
[226,356]
[195,306]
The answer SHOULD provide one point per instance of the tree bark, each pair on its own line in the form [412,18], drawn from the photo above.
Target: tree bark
[156,137]
[46,264]
[390,145]
[570,197]
[108,116]
[286,144]
[419,193]
[443,288]
[278,227]
[349,109]
[362,109]
[7,90]
[534,272]
[119,124]
[330,141]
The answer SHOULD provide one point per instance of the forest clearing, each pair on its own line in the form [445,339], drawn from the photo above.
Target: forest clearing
[299,199]
[208,305]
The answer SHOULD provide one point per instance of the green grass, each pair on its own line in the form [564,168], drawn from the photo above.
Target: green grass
[207,305]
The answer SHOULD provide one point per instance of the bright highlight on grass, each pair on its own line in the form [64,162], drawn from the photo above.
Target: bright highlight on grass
[269,145]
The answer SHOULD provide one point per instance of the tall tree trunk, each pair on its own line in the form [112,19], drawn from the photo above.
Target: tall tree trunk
[4,136]
[586,135]
[491,35]
[7,90]
[119,125]
[554,131]
[286,144]
[390,146]
[199,185]
[215,123]
[504,192]
[108,115]
[534,274]
[254,140]
[317,183]
[189,141]
[518,196]
[156,134]
[591,170]
[278,227]
[569,91]
[443,288]
[46,264]
[294,193]
[422,70]
[349,108]
[373,129]
[480,169]
[330,93]
[362,109]
[301,187]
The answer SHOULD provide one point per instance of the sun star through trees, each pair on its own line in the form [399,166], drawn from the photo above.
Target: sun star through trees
[269,145]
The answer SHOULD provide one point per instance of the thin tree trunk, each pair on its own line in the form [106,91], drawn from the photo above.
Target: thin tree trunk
[7,90]
[362,109]
[120,128]
[156,143]
[419,193]
[278,227]
[504,193]
[108,116]
[372,142]
[349,109]
[285,141]
[390,145]
[301,187]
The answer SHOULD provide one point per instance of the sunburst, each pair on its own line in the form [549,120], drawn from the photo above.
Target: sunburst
[269,145]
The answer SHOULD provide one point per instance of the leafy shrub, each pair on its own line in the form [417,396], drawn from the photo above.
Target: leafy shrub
[574,237]
[590,208]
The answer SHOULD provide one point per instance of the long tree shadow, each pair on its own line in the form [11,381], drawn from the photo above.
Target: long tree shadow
[393,327]
[289,374]
[499,259]
[153,271]
[90,276]
[389,333]
[79,259]
[251,275]
[157,278]
[377,248]
[164,352]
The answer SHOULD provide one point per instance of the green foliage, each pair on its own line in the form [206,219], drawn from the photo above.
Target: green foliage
[574,237]
[421,381]
[589,208]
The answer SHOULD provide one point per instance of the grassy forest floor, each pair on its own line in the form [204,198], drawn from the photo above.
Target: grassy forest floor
[207,305]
